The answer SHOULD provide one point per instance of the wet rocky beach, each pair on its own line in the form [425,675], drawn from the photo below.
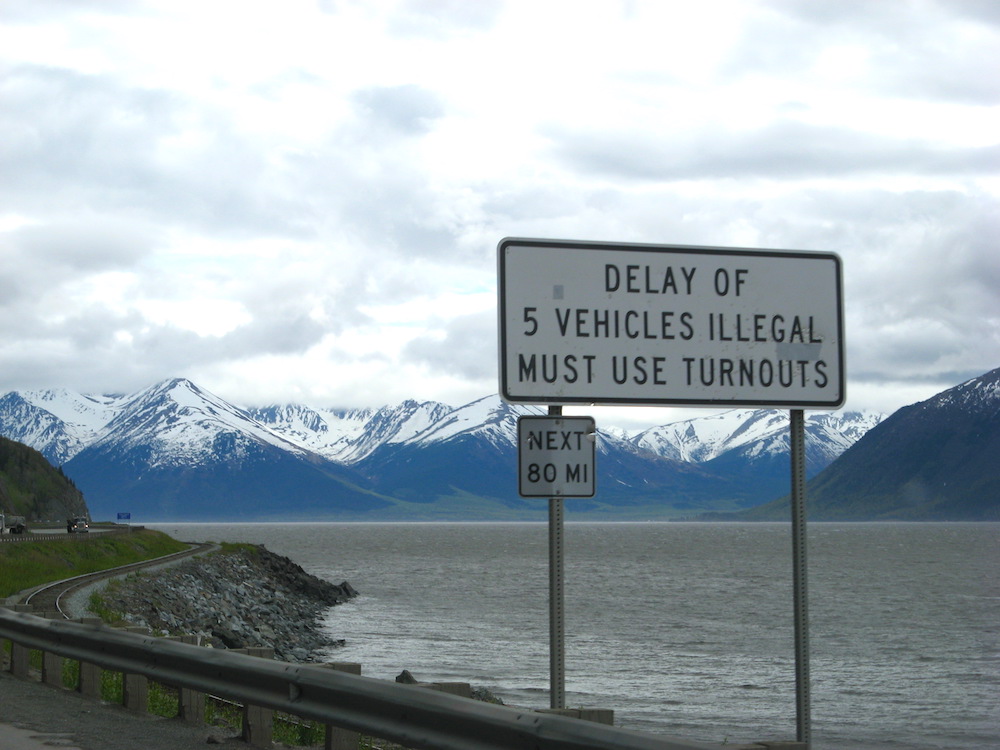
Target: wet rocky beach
[240,597]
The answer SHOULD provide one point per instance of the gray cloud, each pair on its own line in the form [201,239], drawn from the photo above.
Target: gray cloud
[63,128]
[75,140]
[981,11]
[43,261]
[441,19]
[84,244]
[783,149]
[920,273]
[40,10]
[904,41]
[120,351]
[467,349]
[407,109]
[366,188]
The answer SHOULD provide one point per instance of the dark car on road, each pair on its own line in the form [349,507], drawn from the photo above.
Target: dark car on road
[77,525]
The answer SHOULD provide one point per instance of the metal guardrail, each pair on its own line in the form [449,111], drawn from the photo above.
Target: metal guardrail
[421,719]
[6,536]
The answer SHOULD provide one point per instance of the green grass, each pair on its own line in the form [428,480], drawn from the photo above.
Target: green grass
[96,604]
[27,564]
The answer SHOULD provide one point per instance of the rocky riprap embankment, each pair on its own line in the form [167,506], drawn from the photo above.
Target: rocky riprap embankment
[234,599]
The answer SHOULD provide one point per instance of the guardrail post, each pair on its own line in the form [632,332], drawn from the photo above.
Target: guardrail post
[135,687]
[337,738]
[135,692]
[19,660]
[258,722]
[89,682]
[3,646]
[19,655]
[190,703]
[52,663]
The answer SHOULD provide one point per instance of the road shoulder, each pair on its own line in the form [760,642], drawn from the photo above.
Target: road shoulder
[43,712]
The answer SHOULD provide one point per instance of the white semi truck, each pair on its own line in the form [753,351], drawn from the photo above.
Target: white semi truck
[12,524]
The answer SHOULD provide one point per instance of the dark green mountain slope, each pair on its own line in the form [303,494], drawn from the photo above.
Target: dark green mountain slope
[937,460]
[31,487]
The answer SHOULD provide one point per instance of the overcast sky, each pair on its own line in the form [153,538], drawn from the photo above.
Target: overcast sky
[301,201]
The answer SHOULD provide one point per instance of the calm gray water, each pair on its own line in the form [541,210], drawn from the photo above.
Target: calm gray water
[682,629]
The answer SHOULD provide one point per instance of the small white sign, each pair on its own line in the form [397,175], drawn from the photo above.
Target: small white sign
[598,323]
[556,456]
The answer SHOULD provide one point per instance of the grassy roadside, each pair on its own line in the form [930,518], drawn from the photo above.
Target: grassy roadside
[24,565]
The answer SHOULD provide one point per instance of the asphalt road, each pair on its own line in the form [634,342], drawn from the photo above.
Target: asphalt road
[61,530]
[34,716]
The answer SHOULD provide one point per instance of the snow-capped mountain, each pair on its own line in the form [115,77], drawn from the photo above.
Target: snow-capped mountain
[176,422]
[176,451]
[57,423]
[490,417]
[705,438]
[349,435]
[756,434]
[978,397]
[183,452]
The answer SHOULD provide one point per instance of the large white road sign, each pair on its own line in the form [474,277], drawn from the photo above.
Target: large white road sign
[597,323]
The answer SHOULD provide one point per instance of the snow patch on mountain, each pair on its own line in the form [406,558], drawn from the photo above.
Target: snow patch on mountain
[176,422]
[489,416]
[86,412]
[58,423]
[756,432]
[980,395]
[349,435]
[704,438]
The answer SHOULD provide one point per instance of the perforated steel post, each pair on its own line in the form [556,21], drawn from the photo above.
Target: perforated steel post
[799,577]
[557,624]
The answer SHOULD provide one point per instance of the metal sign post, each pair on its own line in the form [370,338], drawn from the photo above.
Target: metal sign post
[557,611]
[556,460]
[799,577]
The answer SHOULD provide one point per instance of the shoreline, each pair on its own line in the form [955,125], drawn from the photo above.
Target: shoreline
[241,597]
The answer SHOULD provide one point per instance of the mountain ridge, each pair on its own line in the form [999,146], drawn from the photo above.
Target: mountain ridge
[182,452]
